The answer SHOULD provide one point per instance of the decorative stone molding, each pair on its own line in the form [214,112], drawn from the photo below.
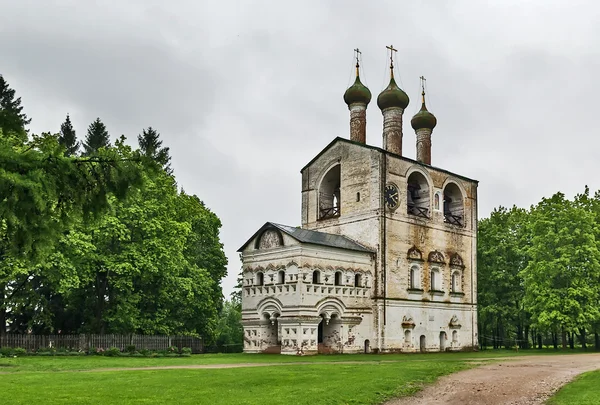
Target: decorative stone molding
[436,257]
[407,322]
[269,239]
[456,261]
[454,323]
[414,254]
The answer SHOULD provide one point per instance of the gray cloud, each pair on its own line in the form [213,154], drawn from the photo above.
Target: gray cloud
[246,93]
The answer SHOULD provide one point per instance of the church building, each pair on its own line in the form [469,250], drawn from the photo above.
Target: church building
[385,258]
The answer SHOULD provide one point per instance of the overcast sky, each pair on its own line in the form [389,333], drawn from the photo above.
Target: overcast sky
[246,93]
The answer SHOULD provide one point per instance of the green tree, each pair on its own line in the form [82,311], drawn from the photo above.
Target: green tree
[151,147]
[67,138]
[230,331]
[12,118]
[502,315]
[562,279]
[97,137]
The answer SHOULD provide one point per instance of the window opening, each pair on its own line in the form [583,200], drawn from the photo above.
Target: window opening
[417,197]
[453,205]
[316,277]
[329,194]
[260,278]
[281,277]
[338,278]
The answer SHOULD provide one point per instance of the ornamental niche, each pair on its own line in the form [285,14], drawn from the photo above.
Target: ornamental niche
[270,239]
[456,260]
[414,254]
[436,257]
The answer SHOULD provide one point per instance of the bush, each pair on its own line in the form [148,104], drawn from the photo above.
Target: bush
[130,349]
[113,352]
[145,352]
[186,351]
[6,351]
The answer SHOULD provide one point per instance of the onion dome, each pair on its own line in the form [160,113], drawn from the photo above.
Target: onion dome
[358,93]
[392,96]
[423,119]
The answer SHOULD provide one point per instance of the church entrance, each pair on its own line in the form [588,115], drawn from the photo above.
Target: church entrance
[443,339]
[328,334]
[422,345]
[271,336]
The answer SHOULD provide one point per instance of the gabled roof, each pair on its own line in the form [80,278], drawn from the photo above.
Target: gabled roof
[375,148]
[312,237]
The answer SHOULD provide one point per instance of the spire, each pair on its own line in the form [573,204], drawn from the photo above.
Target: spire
[357,97]
[423,123]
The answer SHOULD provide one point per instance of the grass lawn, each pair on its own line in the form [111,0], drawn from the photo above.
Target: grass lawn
[369,379]
[584,390]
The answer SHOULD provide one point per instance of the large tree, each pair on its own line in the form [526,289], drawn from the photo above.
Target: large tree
[97,137]
[151,147]
[67,138]
[12,118]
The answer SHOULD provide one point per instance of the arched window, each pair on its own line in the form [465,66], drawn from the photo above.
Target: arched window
[418,195]
[329,194]
[415,279]
[455,287]
[407,336]
[338,278]
[260,278]
[281,277]
[316,277]
[435,280]
[357,280]
[453,205]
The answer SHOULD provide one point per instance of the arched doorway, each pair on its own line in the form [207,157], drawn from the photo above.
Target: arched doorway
[443,339]
[422,344]
[367,346]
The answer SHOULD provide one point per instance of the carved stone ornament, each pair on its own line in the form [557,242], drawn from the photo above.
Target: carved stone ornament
[436,257]
[270,239]
[414,254]
[407,322]
[454,323]
[456,260]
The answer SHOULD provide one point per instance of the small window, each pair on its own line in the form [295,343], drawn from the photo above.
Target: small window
[316,277]
[281,277]
[414,282]
[357,280]
[357,197]
[260,278]
[455,282]
[435,280]
[338,278]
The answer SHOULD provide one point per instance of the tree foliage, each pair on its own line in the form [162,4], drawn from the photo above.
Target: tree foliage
[12,118]
[539,272]
[151,147]
[103,242]
[97,137]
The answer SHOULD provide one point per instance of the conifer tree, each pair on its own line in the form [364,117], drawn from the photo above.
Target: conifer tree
[97,137]
[151,147]
[67,137]
[12,118]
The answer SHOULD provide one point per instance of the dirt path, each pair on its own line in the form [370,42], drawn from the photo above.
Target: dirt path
[519,381]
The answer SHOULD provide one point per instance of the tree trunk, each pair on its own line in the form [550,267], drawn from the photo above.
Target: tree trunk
[526,342]
[582,334]
[596,340]
[572,340]
[564,339]
[540,341]
[2,310]
[555,340]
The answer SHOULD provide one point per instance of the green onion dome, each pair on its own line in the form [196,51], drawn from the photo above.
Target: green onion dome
[358,93]
[392,96]
[423,119]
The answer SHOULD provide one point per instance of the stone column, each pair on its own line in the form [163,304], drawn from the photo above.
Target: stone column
[424,145]
[392,129]
[358,123]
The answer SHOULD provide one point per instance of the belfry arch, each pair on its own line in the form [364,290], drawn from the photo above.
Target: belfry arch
[329,193]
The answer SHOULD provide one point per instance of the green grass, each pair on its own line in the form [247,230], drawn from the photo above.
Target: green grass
[584,390]
[289,384]
[333,379]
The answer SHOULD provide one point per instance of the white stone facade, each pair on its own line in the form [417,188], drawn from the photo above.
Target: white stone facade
[366,271]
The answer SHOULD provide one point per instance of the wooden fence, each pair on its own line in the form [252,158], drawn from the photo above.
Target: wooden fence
[85,342]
